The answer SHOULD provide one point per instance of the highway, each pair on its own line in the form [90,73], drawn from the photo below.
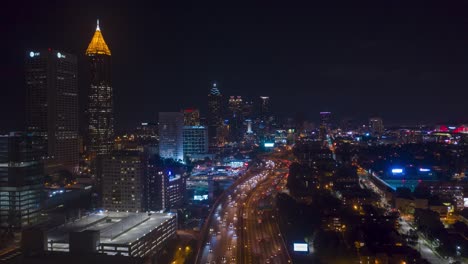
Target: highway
[261,237]
[235,234]
[220,240]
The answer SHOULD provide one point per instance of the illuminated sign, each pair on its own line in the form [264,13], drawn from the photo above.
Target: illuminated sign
[32,54]
[236,164]
[200,197]
[301,247]
[424,170]
[60,55]
[397,171]
[465,202]
[269,145]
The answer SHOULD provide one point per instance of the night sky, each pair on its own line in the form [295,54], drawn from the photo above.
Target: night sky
[405,63]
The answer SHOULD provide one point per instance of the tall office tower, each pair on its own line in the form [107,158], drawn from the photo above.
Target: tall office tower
[235,105]
[52,105]
[264,107]
[101,105]
[171,126]
[166,188]
[191,117]
[122,181]
[325,124]
[195,140]
[215,114]
[21,180]
[235,116]
[247,109]
[376,125]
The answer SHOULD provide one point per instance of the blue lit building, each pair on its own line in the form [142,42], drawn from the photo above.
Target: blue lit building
[171,126]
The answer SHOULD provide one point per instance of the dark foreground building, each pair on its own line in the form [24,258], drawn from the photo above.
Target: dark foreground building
[21,180]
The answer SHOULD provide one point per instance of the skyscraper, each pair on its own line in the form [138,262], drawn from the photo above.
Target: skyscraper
[195,140]
[264,107]
[247,109]
[52,105]
[170,135]
[235,105]
[122,180]
[215,114]
[235,117]
[101,105]
[376,125]
[324,124]
[21,180]
[166,188]
[191,117]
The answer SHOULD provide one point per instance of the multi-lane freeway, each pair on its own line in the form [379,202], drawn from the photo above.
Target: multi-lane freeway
[243,228]
[261,240]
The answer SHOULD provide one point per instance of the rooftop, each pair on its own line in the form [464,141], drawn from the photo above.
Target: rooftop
[115,227]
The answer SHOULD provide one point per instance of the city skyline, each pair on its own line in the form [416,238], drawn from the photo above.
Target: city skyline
[381,68]
[217,133]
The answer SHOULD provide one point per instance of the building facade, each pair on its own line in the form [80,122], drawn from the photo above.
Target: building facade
[376,125]
[215,114]
[325,124]
[52,105]
[114,233]
[264,112]
[101,105]
[195,140]
[123,177]
[21,180]
[170,135]
[165,189]
[191,117]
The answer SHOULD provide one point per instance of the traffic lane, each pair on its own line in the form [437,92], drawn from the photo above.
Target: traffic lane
[218,248]
[271,249]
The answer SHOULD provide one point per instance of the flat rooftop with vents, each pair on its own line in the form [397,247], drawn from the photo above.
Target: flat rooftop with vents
[127,234]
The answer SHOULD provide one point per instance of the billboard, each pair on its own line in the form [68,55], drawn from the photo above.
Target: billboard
[301,247]
[200,197]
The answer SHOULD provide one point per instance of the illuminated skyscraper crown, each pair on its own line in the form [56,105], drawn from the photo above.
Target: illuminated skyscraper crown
[214,90]
[97,44]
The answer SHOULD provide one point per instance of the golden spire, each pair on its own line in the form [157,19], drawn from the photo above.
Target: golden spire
[97,44]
